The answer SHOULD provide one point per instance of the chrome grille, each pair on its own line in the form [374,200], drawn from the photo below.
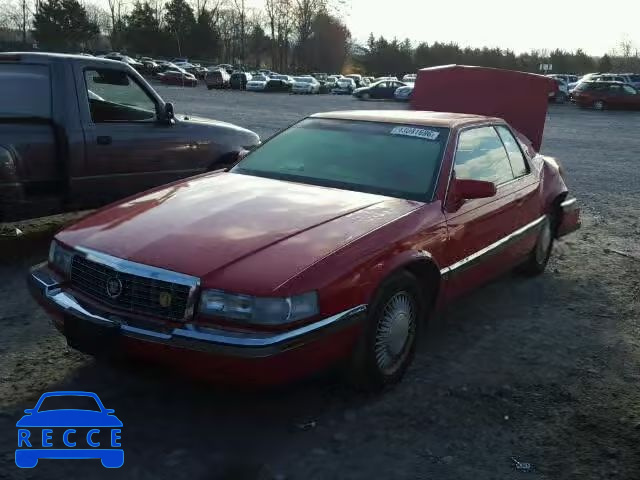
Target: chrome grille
[139,294]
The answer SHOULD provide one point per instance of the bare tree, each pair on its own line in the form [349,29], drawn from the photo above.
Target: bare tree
[241,15]
[17,15]
[271,10]
[116,12]
[284,23]
[99,16]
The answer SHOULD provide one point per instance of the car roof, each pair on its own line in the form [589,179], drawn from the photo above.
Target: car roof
[415,117]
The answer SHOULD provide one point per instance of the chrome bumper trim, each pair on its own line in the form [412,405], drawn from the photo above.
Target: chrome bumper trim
[190,336]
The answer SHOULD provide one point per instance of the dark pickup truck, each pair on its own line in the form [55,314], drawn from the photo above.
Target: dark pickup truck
[79,132]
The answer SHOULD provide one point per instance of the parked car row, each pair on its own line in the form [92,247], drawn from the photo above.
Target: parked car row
[601,91]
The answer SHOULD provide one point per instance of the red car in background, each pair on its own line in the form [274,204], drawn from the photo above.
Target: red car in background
[296,259]
[606,95]
[176,77]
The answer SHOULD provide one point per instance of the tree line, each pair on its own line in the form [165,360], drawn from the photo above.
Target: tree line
[383,57]
[285,35]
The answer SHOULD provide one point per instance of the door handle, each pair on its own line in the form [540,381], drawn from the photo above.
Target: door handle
[103,140]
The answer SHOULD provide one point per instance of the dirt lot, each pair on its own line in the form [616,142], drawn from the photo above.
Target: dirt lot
[545,370]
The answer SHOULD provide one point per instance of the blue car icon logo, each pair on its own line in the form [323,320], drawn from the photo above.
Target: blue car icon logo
[53,430]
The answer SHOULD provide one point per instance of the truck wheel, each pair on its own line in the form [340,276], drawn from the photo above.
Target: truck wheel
[388,342]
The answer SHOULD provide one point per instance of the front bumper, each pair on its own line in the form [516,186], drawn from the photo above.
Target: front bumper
[106,329]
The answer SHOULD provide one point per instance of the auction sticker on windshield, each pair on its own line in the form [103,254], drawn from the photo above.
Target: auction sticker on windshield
[416,132]
[69,425]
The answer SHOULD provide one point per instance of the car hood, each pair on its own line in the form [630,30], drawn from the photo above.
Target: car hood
[69,418]
[206,225]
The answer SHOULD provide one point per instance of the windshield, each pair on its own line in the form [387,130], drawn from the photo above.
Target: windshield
[388,159]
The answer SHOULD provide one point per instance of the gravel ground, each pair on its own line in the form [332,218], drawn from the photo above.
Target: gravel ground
[545,370]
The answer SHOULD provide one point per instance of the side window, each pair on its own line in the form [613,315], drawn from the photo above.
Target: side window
[629,90]
[518,162]
[481,156]
[25,90]
[114,96]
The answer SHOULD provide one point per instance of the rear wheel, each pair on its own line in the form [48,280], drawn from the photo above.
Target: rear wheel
[539,256]
[598,105]
[387,346]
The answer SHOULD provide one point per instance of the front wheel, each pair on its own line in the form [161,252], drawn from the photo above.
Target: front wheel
[388,343]
[598,105]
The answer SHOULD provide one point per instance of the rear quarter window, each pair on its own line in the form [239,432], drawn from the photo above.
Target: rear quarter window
[25,90]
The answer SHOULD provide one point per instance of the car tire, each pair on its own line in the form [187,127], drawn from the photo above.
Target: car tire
[387,345]
[366,96]
[599,105]
[537,261]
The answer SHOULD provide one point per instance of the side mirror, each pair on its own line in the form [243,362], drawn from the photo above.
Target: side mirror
[462,189]
[470,189]
[168,112]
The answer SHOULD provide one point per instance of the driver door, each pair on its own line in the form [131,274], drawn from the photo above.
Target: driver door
[127,150]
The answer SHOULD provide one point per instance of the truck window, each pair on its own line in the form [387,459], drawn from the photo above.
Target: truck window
[25,90]
[114,96]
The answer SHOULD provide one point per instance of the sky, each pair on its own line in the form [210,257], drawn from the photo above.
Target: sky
[513,24]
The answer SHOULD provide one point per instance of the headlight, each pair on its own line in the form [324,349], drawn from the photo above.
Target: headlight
[258,310]
[60,258]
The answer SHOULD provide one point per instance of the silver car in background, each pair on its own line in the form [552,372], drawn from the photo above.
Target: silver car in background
[306,84]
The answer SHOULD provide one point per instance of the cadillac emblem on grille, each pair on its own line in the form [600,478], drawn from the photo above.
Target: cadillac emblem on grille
[114,287]
[165,299]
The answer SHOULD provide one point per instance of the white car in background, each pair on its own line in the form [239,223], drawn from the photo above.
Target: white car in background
[306,84]
[403,94]
[410,78]
[344,86]
[257,83]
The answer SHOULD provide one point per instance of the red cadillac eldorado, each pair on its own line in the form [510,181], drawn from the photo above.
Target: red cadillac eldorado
[330,244]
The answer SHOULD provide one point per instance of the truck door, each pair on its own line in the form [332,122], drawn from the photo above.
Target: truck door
[128,149]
